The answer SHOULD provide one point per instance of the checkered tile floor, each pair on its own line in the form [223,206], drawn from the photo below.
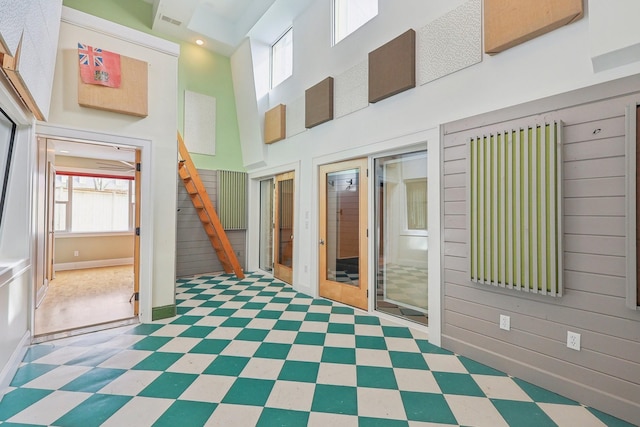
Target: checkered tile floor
[255,352]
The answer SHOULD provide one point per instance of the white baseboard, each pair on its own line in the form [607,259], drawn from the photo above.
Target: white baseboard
[93,264]
[9,370]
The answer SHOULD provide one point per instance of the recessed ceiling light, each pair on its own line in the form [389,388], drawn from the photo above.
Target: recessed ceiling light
[64,151]
[199,42]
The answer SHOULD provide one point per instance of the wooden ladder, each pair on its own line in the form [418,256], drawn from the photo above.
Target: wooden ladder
[206,212]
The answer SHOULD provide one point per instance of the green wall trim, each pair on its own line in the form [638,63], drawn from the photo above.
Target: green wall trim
[163,312]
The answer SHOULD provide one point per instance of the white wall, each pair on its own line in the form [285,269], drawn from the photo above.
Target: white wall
[554,63]
[159,127]
[613,32]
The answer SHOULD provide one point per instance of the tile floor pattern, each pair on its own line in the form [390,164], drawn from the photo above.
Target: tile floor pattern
[255,352]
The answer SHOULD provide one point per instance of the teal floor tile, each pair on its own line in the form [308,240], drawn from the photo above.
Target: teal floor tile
[396,332]
[367,320]
[94,411]
[321,301]
[210,346]
[281,300]
[186,320]
[93,357]
[249,334]
[287,325]
[150,343]
[310,338]
[93,380]
[197,331]
[297,307]
[316,317]
[427,407]
[426,347]
[381,422]
[212,304]
[461,384]
[254,306]
[478,368]
[19,399]
[339,355]
[249,391]
[35,352]
[186,412]
[522,414]
[341,328]
[270,350]
[182,310]
[158,361]
[169,385]
[269,314]
[30,372]
[335,399]
[224,312]
[376,377]
[374,343]
[271,417]
[343,310]
[610,420]
[236,322]
[294,370]
[401,359]
[145,329]
[227,365]
[541,395]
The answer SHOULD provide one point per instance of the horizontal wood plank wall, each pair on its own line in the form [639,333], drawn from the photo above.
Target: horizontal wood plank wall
[194,254]
[606,372]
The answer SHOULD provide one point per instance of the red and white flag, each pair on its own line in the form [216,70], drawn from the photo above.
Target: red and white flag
[99,67]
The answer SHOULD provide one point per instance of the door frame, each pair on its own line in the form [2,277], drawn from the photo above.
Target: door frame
[146,200]
[334,290]
[285,273]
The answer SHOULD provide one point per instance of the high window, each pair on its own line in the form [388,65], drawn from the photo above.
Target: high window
[93,204]
[349,15]
[282,58]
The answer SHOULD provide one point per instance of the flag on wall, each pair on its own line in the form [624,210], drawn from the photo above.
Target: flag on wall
[99,67]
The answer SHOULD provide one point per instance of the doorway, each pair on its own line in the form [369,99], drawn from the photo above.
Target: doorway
[91,253]
[343,233]
[283,230]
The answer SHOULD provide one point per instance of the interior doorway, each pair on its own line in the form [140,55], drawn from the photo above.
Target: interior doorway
[89,211]
[283,230]
[343,241]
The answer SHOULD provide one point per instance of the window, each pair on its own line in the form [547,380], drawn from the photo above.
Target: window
[416,204]
[7,135]
[282,58]
[349,15]
[93,204]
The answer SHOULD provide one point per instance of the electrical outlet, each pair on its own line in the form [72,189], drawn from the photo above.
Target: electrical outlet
[76,253]
[573,340]
[505,322]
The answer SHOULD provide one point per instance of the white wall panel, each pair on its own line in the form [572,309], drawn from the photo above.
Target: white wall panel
[351,90]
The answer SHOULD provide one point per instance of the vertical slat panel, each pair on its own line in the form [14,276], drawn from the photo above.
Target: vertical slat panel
[533,228]
[480,212]
[474,208]
[487,206]
[518,211]
[553,284]
[510,180]
[543,208]
[526,225]
[558,212]
[503,209]
[232,199]
[494,209]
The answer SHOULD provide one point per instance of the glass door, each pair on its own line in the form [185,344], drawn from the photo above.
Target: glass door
[283,231]
[266,225]
[401,235]
[343,232]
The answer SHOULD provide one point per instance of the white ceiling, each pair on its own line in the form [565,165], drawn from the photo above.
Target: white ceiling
[223,24]
[93,151]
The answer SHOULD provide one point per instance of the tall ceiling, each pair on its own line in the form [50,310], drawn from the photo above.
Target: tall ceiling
[223,24]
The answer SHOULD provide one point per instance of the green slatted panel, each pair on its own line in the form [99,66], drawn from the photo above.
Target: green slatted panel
[515,209]
[232,200]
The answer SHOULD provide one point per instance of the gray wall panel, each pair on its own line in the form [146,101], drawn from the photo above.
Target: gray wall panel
[605,373]
[194,254]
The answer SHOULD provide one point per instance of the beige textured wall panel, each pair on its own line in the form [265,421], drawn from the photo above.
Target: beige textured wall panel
[508,23]
[351,90]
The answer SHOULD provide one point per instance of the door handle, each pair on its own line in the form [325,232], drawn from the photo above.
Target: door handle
[321,241]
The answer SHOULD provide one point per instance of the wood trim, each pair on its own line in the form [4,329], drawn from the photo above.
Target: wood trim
[9,66]
[281,271]
[136,236]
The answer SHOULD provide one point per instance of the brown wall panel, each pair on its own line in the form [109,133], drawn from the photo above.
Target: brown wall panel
[508,23]
[392,67]
[275,124]
[318,103]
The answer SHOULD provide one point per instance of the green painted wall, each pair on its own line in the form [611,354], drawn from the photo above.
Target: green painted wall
[199,70]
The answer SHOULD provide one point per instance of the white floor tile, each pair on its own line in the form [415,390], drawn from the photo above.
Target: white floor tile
[180,345]
[57,377]
[416,380]
[50,408]
[444,363]
[139,411]
[402,344]
[306,353]
[125,359]
[283,337]
[130,383]
[369,357]
[234,415]
[475,411]
[241,348]
[208,388]
[337,374]
[291,395]
[170,331]
[379,403]
[267,369]
[192,363]
[568,415]
[497,387]
[320,419]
